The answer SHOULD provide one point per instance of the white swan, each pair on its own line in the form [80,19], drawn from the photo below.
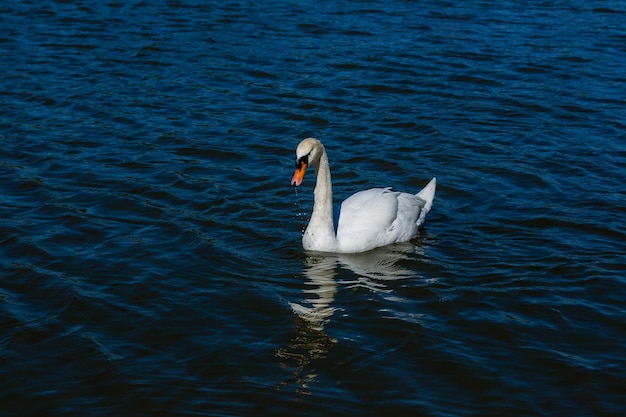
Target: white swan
[367,220]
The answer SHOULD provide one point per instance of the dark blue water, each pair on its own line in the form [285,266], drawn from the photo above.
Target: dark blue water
[150,240]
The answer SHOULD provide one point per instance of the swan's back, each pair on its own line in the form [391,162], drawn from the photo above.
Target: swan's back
[380,216]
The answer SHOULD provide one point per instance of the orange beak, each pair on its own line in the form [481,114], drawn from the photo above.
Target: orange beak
[299,174]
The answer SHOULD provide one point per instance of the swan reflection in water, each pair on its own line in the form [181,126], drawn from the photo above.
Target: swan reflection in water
[370,270]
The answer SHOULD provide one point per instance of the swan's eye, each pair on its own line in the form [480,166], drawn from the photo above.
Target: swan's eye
[302,160]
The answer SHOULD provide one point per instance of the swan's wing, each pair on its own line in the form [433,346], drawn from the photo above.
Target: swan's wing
[428,195]
[377,217]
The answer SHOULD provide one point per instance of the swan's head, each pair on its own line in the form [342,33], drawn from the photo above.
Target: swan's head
[308,152]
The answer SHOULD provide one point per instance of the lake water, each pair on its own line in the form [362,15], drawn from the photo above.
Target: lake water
[150,239]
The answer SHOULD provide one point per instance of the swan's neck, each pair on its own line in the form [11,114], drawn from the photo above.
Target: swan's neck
[320,233]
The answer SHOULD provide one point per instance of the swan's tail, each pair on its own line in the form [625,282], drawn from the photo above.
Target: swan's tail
[428,195]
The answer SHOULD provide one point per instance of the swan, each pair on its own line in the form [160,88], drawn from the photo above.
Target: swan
[367,219]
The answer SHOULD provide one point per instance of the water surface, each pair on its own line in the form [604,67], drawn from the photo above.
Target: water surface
[150,240]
